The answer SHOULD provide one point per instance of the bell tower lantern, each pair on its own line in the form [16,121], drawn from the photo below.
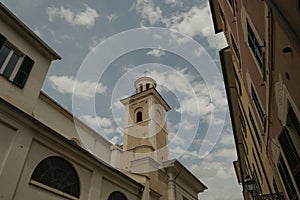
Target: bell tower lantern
[145,130]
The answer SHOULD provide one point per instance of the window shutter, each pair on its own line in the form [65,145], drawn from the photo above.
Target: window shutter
[2,40]
[290,154]
[23,72]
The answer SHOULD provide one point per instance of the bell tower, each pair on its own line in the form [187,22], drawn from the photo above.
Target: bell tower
[145,131]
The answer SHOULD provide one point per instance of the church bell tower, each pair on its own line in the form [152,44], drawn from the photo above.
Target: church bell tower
[145,131]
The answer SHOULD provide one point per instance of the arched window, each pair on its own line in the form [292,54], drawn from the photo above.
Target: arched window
[57,173]
[117,196]
[139,116]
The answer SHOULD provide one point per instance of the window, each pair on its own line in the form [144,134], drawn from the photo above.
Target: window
[9,63]
[255,129]
[117,196]
[221,13]
[292,119]
[257,105]
[291,154]
[254,46]
[139,116]
[147,86]
[242,120]
[287,182]
[245,145]
[257,188]
[256,162]
[238,82]
[59,174]
[231,3]
[235,48]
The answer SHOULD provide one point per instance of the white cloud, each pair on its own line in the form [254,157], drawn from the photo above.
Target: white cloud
[112,17]
[215,171]
[196,22]
[86,18]
[95,121]
[225,153]
[227,139]
[173,2]
[156,52]
[100,124]
[149,11]
[84,89]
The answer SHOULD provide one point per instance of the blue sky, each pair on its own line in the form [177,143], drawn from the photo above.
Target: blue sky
[85,32]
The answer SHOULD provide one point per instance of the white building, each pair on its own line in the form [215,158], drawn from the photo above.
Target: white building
[41,153]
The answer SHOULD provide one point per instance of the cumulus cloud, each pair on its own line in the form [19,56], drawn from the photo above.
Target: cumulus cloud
[148,11]
[196,22]
[156,52]
[215,170]
[84,89]
[101,124]
[86,18]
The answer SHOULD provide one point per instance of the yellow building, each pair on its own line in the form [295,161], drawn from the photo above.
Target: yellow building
[42,155]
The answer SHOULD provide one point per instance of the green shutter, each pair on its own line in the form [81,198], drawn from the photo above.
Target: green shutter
[2,40]
[23,72]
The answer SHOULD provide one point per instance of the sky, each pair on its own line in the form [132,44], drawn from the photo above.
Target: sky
[106,45]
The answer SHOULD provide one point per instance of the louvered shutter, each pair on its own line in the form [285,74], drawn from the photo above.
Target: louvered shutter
[24,72]
[290,154]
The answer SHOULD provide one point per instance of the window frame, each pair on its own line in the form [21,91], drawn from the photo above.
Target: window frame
[257,104]
[235,47]
[40,177]
[221,13]
[22,67]
[231,4]
[116,195]
[290,153]
[292,119]
[255,45]
[286,178]
[255,129]
[139,116]
[12,50]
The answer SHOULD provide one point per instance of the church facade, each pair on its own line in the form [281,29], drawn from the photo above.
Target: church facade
[42,155]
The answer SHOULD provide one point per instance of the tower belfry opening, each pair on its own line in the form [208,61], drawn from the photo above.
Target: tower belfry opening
[144,83]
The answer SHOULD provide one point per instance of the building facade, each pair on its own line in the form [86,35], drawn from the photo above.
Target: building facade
[42,154]
[261,74]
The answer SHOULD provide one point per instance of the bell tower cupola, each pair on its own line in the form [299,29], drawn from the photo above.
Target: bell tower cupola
[144,83]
